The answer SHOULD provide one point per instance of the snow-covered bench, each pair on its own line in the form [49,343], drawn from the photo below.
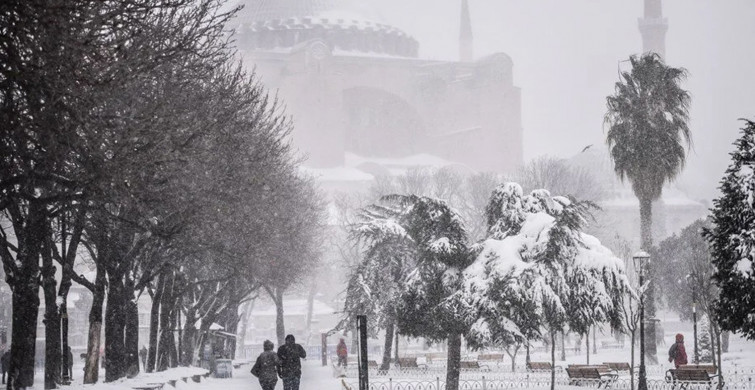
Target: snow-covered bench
[586,375]
[691,375]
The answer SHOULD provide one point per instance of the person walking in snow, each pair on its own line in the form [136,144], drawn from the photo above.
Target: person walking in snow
[342,352]
[266,367]
[5,363]
[143,356]
[289,370]
[677,353]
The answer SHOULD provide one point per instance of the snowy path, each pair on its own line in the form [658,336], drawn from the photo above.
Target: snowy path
[314,377]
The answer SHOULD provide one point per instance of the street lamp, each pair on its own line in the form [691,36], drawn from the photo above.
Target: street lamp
[639,259]
[694,323]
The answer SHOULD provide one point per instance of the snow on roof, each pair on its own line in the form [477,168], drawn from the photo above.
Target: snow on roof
[337,174]
[294,307]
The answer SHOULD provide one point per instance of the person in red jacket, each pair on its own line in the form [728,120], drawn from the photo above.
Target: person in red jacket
[342,353]
[677,353]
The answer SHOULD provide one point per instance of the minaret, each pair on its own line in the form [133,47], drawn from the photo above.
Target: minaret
[466,52]
[653,27]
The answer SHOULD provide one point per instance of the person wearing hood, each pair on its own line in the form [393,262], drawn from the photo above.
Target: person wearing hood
[677,353]
[289,370]
[342,352]
[266,367]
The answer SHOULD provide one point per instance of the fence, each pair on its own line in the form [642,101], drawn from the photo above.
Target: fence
[492,384]
[432,378]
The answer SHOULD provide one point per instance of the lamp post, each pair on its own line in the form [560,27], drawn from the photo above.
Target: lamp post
[694,323]
[639,259]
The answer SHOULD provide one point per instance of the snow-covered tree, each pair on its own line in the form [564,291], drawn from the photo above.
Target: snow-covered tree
[732,239]
[704,345]
[422,243]
[376,284]
[539,270]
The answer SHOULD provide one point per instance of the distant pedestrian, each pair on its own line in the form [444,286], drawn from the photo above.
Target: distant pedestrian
[677,353]
[5,363]
[342,352]
[143,356]
[266,367]
[290,354]
[69,360]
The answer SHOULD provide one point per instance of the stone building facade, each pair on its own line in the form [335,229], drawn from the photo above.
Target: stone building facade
[355,85]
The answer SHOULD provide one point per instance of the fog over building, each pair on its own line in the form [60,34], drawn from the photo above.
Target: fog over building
[358,93]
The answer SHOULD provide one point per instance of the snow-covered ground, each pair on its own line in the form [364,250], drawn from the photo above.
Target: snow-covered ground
[738,363]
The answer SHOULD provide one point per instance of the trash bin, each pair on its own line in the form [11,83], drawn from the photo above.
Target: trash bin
[223,368]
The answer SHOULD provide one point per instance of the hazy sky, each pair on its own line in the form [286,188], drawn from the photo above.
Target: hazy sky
[566,54]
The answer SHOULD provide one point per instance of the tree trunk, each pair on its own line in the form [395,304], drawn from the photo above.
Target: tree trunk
[563,346]
[245,317]
[553,359]
[631,372]
[69,246]
[92,366]
[166,333]
[513,354]
[115,324]
[25,301]
[154,318]
[587,342]
[280,329]
[527,352]
[189,340]
[646,224]
[131,339]
[51,321]
[386,363]
[594,340]
[454,361]
[720,369]
[725,341]
[174,326]
[395,349]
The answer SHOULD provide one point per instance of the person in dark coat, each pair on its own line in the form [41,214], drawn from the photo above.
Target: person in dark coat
[266,366]
[290,354]
[69,360]
[677,353]
[5,363]
[342,352]
[143,356]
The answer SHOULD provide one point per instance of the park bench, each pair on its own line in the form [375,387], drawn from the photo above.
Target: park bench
[410,363]
[472,365]
[435,356]
[585,375]
[691,375]
[539,367]
[619,366]
[490,357]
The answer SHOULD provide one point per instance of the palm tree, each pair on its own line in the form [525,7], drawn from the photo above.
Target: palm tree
[647,129]
[647,132]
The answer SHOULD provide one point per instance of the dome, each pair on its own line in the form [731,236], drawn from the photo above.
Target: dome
[345,25]
[262,10]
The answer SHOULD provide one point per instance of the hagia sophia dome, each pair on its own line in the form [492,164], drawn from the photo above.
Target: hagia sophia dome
[348,26]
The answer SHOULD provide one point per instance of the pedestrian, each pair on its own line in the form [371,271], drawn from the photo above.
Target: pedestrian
[677,353]
[266,367]
[143,356]
[290,354]
[5,363]
[342,353]
[69,358]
